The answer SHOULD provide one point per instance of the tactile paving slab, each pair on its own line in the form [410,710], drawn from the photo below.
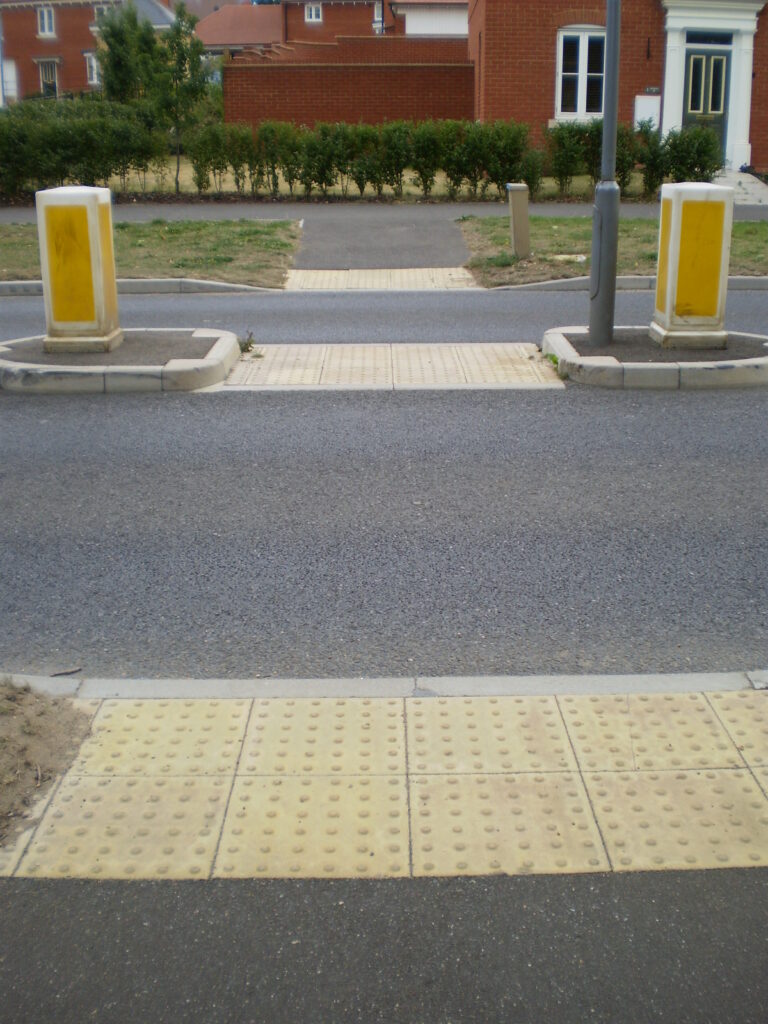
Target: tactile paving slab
[427,366]
[363,366]
[280,366]
[98,827]
[505,364]
[164,737]
[325,737]
[315,828]
[639,733]
[745,715]
[676,820]
[503,824]
[487,734]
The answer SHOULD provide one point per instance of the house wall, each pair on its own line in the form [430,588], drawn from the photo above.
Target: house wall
[73,38]
[436,21]
[514,48]
[338,20]
[759,120]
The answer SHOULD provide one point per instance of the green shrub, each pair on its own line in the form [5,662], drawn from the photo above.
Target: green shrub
[343,154]
[626,156]
[395,153]
[366,168]
[505,149]
[651,155]
[427,153]
[452,137]
[268,148]
[592,148]
[240,149]
[567,153]
[532,171]
[291,145]
[693,154]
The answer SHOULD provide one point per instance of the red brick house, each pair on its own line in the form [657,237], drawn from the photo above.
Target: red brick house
[48,47]
[682,62]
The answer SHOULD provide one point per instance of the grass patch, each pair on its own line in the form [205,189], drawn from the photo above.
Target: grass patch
[240,252]
[560,247]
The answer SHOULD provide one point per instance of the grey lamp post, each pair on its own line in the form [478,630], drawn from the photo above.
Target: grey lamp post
[605,213]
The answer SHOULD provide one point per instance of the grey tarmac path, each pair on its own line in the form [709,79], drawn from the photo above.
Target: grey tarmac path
[672,948]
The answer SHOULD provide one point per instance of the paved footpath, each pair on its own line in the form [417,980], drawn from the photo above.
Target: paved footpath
[394,786]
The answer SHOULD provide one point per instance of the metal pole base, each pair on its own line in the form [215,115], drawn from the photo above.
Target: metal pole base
[605,238]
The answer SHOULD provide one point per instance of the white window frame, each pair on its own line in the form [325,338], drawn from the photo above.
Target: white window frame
[584,34]
[55,65]
[92,70]
[46,23]
[99,10]
[313,13]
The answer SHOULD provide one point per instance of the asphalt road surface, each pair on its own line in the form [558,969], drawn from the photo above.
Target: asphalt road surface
[384,534]
[671,948]
[339,317]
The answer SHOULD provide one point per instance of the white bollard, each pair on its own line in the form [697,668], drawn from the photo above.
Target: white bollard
[692,271]
[77,259]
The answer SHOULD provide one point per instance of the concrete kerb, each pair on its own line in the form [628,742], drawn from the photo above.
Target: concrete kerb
[608,372]
[77,686]
[188,285]
[145,286]
[175,375]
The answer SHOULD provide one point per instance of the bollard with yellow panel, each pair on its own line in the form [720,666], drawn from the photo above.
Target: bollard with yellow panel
[692,275]
[77,258]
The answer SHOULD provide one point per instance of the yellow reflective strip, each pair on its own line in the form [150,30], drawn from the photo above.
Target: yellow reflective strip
[69,264]
[108,265]
[701,253]
[662,271]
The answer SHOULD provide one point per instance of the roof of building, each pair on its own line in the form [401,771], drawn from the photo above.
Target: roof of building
[241,25]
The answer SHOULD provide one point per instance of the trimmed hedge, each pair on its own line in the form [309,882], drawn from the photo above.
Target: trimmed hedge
[90,140]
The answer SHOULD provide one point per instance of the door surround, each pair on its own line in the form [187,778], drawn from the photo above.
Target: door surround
[737,17]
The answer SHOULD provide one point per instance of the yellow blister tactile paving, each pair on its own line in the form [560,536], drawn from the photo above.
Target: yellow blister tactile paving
[675,820]
[426,366]
[164,737]
[325,737]
[129,828]
[503,824]
[638,733]
[357,366]
[487,734]
[500,364]
[745,715]
[315,828]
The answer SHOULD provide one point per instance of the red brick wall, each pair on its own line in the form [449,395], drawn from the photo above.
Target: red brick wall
[338,20]
[73,38]
[517,61]
[370,93]
[366,50]
[759,125]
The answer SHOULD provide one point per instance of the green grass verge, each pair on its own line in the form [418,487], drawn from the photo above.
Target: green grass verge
[560,247]
[240,252]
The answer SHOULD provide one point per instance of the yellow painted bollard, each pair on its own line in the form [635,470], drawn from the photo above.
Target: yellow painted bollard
[74,226]
[692,275]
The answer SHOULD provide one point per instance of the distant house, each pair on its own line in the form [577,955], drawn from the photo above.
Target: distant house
[682,62]
[237,27]
[48,47]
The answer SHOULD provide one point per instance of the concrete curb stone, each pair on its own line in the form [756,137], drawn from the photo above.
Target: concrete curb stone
[608,372]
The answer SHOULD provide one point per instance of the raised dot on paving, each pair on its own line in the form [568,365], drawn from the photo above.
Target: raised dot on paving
[357,736]
[676,820]
[315,828]
[487,734]
[164,737]
[98,827]
[745,715]
[641,733]
[503,824]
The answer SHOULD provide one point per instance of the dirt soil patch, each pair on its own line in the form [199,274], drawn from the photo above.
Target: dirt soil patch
[642,349]
[39,739]
[135,350]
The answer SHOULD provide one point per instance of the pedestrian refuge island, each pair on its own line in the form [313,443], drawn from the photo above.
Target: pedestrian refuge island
[74,225]
[692,275]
